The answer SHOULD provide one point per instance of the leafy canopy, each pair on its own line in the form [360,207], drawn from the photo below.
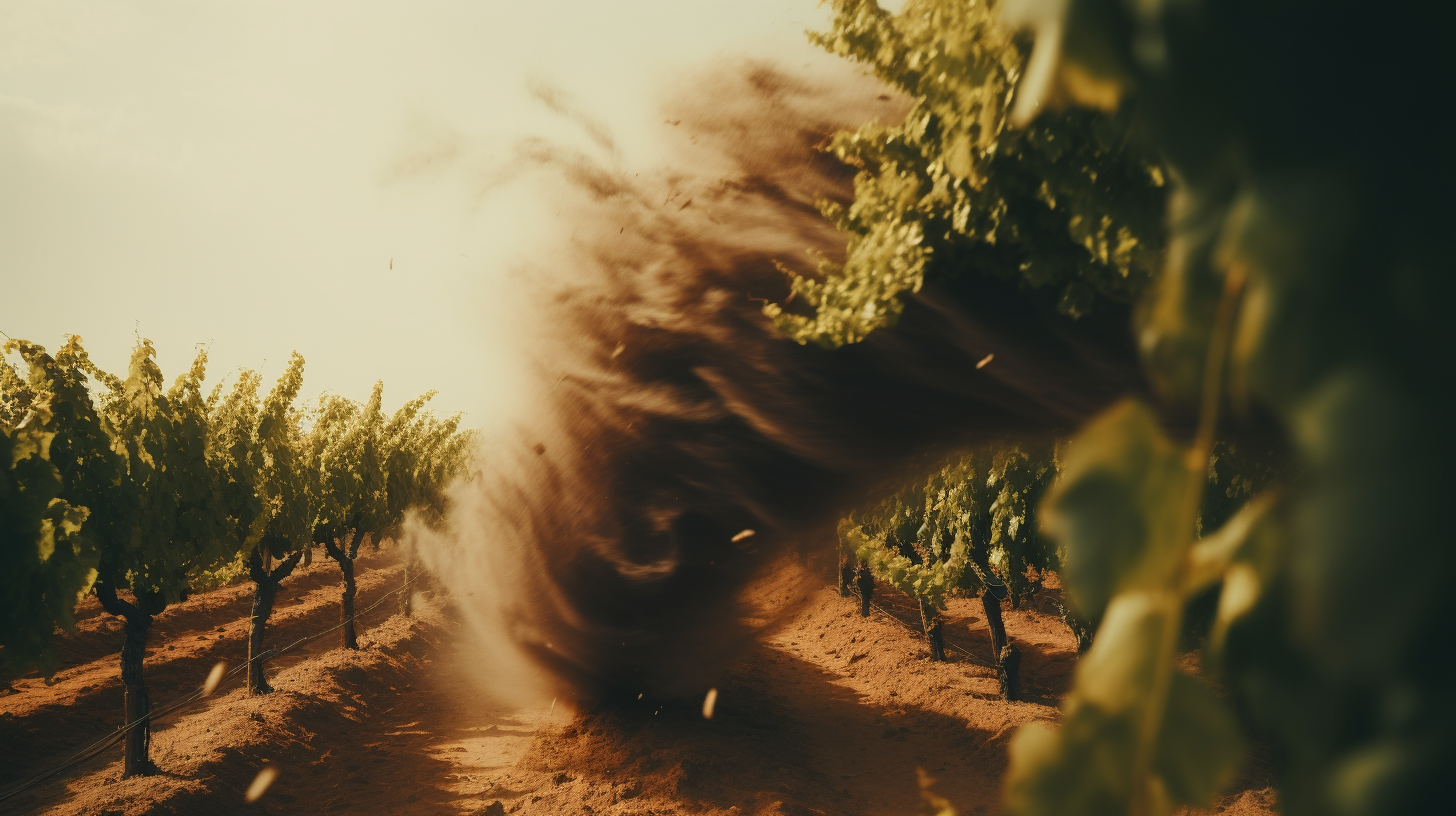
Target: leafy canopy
[1071,207]
[49,560]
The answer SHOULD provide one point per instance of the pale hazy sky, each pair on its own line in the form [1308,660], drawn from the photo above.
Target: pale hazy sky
[230,174]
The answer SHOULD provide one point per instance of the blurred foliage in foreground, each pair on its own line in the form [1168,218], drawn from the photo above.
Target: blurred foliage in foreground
[1314,262]
[1305,276]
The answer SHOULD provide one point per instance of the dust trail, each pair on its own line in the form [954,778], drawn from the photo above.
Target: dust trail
[594,552]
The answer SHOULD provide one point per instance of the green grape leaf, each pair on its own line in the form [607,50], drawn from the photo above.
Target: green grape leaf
[49,556]
[1085,767]
[1079,769]
[1116,674]
[1115,510]
[1199,745]
[1069,205]
[1254,566]
[1211,557]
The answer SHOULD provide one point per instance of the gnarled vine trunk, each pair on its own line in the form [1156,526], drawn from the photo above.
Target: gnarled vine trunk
[138,701]
[1008,657]
[866,583]
[993,621]
[406,594]
[1082,630]
[137,626]
[1008,671]
[345,554]
[265,591]
[934,632]
[846,575]
[263,595]
[347,637]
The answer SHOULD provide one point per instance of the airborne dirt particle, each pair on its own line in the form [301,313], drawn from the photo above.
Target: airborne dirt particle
[261,783]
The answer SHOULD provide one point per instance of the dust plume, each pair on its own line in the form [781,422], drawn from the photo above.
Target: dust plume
[597,549]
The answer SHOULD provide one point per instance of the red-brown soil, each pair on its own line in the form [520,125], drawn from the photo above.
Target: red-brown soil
[832,714]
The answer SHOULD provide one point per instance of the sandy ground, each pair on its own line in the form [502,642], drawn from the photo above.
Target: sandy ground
[832,714]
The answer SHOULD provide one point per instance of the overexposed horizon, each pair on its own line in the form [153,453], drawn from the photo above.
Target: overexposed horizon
[334,178]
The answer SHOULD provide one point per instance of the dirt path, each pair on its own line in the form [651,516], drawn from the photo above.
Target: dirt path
[836,714]
[386,729]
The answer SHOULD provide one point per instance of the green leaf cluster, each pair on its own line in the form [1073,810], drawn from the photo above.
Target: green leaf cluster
[422,456]
[161,490]
[169,515]
[924,580]
[350,493]
[1138,735]
[1311,182]
[1017,476]
[253,443]
[48,560]
[990,500]
[284,478]
[1307,249]
[923,538]
[1071,208]
[1086,764]
[369,472]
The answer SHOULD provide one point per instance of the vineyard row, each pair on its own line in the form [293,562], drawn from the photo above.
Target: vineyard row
[141,494]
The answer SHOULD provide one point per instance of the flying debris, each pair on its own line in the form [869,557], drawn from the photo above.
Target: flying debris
[214,677]
[260,784]
[615,502]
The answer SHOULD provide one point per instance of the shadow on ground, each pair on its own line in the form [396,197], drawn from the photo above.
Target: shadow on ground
[784,738]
